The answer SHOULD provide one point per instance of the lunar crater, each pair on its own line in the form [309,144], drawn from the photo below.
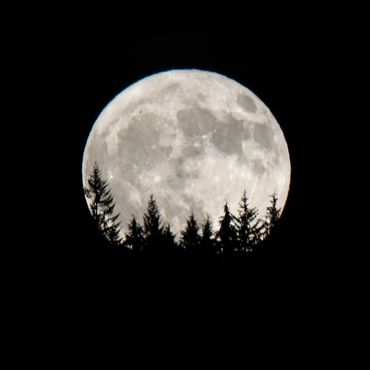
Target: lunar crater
[195,121]
[247,103]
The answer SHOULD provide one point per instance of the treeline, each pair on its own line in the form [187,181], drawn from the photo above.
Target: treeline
[236,235]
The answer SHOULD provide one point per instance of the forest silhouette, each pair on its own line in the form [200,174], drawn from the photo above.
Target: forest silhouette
[236,236]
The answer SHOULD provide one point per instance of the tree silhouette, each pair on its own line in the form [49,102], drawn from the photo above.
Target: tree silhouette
[236,235]
[190,238]
[207,243]
[101,205]
[169,245]
[227,234]
[135,236]
[272,217]
[246,226]
[153,230]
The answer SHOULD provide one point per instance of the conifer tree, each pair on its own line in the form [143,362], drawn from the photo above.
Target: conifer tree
[153,229]
[169,245]
[190,236]
[135,236]
[207,242]
[272,217]
[246,226]
[101,205]
[227,235]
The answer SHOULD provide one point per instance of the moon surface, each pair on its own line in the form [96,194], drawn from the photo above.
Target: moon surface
[194,139]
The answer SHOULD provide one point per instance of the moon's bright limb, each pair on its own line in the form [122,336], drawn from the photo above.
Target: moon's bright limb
[193,139]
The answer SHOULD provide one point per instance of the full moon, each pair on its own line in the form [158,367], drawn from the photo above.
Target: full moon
[194,139]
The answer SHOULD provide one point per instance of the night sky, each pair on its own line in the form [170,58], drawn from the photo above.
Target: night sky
[282,66]
[279,307]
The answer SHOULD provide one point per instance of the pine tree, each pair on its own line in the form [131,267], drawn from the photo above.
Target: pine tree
[190,236]
[169,245]
[135,236]
[207,243]
[272,216]
[246,226]
[152,226]
[101,206]
[227,235]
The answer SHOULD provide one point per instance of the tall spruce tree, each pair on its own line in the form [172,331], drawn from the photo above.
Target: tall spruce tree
[272,216]
[169,245]
[153,230]
[207,242]
[101,206]
[135,236]
[246,226]
[227,235]
[190,236]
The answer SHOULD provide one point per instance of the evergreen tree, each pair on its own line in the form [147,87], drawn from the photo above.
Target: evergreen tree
[135,236]
[272,216]
[169,245]
[152,226]
[190,236]
[246,226]
[258,231]
[101,206]
[207,243]
[227,234]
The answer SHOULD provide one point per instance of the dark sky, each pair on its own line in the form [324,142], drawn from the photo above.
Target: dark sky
[283,56]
